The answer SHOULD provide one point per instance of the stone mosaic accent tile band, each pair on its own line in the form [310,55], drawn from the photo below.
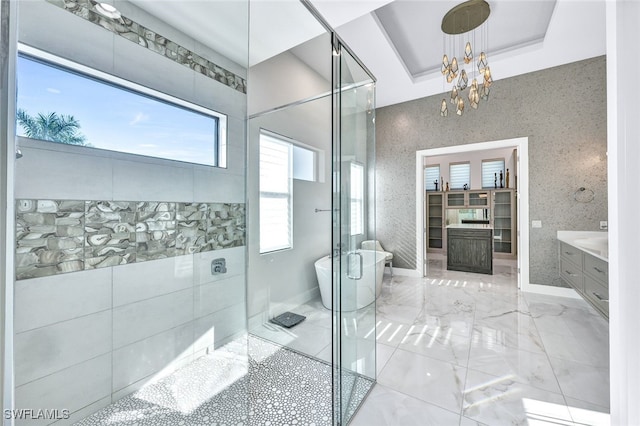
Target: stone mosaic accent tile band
[153,41]
[59,236]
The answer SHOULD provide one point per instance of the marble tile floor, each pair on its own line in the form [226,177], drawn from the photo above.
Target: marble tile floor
[247,382]
[470,349]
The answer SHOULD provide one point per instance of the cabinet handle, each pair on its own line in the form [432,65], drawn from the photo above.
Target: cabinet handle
[570,274]
[598,270]
[599,297]
[569,253]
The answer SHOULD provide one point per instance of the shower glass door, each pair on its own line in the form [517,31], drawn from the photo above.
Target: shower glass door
[357,273]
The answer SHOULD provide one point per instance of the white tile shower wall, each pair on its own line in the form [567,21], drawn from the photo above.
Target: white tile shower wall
[215,330]
[57,298]
[141,281]
[234,258]
[217,295]
[136,321]
[160,351]
[49,349]
[71,389]
[140,317]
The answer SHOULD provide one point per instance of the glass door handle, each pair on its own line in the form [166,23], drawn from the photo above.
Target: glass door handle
[349,265]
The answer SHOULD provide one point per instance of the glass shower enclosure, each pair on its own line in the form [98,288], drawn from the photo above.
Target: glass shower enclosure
[136,263]
[357,273]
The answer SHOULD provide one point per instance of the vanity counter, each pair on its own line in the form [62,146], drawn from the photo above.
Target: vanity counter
[593,242]
[469,226]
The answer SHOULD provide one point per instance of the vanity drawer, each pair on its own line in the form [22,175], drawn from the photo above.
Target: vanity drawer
[597,294]
[597,268]
[572,254]
[571,274]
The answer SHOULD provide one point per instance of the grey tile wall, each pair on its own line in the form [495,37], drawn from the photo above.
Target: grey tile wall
[60,236]
[567,150]
[154,42]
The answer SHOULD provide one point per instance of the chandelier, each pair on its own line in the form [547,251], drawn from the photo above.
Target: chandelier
[461,24]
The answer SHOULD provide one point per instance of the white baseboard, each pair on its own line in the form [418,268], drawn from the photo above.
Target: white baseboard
[403,272]
[551,290]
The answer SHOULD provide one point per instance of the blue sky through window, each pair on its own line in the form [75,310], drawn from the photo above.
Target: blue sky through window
[115,118]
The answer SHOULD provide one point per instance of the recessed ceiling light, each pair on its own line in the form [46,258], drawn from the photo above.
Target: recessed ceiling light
[108,10]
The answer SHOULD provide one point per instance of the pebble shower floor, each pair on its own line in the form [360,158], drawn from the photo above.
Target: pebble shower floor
[272,386]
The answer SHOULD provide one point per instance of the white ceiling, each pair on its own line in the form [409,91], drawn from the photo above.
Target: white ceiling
[576,31]
[413,29]
[398,40]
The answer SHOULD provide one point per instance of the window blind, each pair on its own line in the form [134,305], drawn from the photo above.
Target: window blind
[357,199]
[275,194]
[490,170]
[459,175]
[431,174]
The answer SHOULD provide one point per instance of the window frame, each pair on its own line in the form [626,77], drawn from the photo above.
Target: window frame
[220,140]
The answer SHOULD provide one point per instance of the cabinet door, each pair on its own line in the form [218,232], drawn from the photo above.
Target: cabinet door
[479,199]
[456,199]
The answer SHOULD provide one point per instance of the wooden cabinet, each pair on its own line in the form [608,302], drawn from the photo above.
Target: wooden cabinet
[435,220]
[469,249]
[501,204]
[503,214]
[587,274]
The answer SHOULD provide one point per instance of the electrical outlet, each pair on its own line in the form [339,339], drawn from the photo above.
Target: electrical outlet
[536,224]
[604,225]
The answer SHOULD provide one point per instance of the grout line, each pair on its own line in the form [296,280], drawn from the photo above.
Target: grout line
[63,321]
[62,369]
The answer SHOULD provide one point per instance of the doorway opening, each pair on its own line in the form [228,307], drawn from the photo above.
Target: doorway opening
[520,231]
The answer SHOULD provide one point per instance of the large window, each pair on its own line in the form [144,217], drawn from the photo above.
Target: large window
[491,170]
[459,175]
[431,175]
[276,193]
[281,161]
[61,101]
[357,199]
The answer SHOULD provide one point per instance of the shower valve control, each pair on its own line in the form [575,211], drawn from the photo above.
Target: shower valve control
[218,266]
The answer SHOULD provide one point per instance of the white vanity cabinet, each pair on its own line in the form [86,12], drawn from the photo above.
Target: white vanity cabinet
[587,273]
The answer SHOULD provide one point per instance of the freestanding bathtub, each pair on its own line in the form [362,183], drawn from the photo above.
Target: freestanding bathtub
[358,290]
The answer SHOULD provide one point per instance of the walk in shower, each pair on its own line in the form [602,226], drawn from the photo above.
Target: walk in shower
[178,170]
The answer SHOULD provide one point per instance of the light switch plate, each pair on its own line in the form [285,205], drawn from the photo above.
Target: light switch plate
[536,224]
